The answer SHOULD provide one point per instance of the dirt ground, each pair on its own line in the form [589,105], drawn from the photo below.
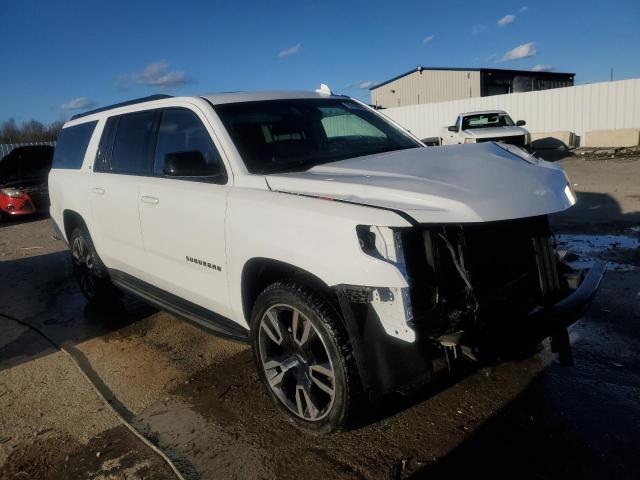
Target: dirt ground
[198,397]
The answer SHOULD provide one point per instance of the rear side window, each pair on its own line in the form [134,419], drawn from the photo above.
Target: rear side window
[133,142]
[181,131]
[72,144]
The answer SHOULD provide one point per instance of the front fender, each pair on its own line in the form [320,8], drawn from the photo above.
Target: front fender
[314,235]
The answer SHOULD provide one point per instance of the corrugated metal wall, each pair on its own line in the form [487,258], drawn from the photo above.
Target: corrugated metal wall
[598,106]
[5,148]
[427,87]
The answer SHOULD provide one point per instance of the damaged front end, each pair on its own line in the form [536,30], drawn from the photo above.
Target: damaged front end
[476,291]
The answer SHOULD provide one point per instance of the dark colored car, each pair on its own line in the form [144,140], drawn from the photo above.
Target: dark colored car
[23,180]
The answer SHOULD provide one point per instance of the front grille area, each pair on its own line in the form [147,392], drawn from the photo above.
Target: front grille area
[39,195]
[462,274]
[518,140]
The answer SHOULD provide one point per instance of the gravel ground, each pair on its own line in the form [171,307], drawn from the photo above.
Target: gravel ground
[198,397]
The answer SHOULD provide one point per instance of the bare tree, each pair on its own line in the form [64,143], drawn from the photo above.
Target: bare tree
[31,131]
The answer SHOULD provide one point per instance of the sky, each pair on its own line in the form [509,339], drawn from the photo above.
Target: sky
[59,57]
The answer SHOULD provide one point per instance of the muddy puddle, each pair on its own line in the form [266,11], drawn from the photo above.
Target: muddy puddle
[621,251]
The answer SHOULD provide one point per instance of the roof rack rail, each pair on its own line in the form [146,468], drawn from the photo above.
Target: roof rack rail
[150,98]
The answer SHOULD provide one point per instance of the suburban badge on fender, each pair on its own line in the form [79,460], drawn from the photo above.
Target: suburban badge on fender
[203,263]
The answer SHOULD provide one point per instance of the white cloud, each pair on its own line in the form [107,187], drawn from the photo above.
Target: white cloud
[506,20]
[155,74]
[364,85]
[542,67]
[523,9]
[428,39]
[79,103]
[291,51]
[478,29]
[521,51]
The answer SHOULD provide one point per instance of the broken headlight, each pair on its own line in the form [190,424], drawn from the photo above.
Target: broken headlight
[380,242]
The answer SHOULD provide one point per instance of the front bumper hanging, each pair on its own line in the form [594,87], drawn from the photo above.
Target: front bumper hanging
[387,363]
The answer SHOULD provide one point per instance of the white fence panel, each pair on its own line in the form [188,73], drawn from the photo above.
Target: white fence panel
[579,109]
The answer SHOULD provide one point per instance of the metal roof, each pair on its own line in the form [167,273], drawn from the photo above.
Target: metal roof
[483,112]
[218,99]
[420,68]
[150,98]
[238,97]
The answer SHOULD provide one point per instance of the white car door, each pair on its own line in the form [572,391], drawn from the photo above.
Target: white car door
[124,154]
[449,137]
[182,212]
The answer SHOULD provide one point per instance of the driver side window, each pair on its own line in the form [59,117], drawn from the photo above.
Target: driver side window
[182,132]
[457,124]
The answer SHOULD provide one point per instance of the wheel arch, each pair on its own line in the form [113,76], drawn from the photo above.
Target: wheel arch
[70,220]
[260,272]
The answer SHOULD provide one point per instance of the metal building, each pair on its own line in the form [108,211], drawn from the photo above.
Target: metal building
[429,85]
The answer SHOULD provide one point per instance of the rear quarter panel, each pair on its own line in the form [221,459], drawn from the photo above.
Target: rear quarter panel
[69,189]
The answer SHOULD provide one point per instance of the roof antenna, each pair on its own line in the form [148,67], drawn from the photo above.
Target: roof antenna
[324,89]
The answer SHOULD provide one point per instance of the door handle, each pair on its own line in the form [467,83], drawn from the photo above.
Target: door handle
[150,200]
[98,190]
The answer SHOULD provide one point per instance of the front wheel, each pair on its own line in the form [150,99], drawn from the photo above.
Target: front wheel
[303,354]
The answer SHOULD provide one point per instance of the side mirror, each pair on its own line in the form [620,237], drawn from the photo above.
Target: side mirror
[452,128]
[520,123]
[188,164]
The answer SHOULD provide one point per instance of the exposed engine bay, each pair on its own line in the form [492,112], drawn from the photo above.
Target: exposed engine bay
[470,284]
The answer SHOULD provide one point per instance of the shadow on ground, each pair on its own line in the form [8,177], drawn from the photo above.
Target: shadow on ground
[595,209]
[539,436]
[43,293]
[8,221]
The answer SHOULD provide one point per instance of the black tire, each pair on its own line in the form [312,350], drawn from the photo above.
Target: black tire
[89,271]
[328,331]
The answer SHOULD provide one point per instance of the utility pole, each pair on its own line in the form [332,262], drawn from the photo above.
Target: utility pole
[611,75]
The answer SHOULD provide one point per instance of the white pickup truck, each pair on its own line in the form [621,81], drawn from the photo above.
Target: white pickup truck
[486,126]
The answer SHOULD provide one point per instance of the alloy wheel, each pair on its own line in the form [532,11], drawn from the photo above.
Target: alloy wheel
[296,362]
[83,266]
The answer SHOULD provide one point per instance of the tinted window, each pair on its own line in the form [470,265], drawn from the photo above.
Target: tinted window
[289,135]
[132,143]
[101,163]
[72,144]
[182,131]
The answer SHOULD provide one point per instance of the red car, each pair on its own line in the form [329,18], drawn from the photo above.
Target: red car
[23,181]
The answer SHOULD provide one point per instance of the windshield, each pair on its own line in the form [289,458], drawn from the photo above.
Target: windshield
[487,120]
[292,135]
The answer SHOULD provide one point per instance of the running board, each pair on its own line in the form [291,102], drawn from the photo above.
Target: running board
[195,314]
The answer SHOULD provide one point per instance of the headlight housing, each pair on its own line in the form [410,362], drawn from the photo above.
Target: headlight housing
[380,242]
[469,140]
[391,304]
[11,192]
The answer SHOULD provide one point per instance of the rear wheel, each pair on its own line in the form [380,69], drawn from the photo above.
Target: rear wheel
[88,269]
[304,356]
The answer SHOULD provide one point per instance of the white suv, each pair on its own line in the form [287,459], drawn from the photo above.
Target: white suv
[354,260]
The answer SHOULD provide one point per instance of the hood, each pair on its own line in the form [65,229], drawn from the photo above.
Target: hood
[454,184]
[491,132]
